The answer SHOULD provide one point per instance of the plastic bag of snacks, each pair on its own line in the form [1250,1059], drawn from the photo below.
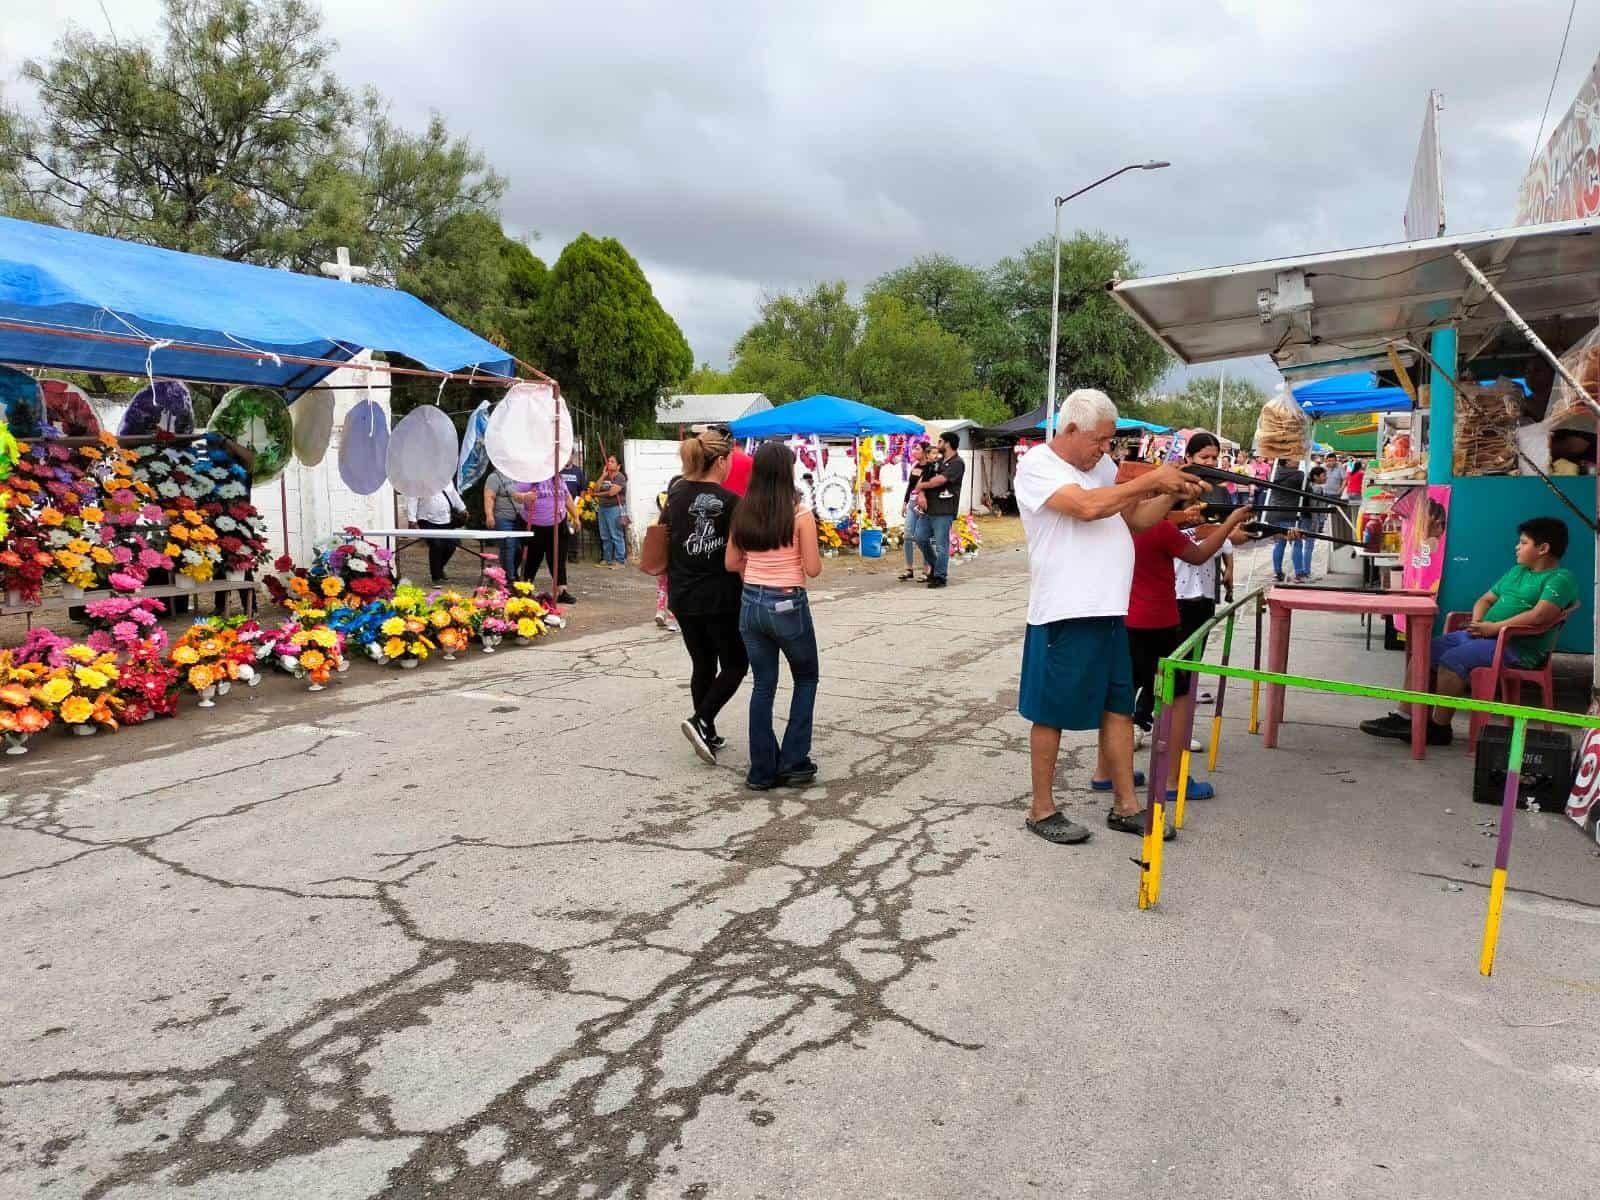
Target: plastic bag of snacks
[1486,427]
[1283,430]
[1567,409]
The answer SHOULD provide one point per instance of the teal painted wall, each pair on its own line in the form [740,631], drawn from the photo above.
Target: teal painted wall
[1484,514]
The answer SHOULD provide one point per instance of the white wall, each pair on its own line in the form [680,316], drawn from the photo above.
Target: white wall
[648,464]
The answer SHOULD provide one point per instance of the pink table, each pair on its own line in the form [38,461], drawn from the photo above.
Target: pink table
[1417,609]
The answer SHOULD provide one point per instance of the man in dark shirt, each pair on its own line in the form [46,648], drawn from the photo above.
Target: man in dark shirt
[576,479]
[941,485]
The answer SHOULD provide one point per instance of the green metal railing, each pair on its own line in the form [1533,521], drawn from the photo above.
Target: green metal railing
[1190,657]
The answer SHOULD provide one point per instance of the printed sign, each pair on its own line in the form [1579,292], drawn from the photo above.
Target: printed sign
[1564,182]
[1424,517]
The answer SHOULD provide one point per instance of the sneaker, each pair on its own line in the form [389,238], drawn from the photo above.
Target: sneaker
[1390,725]
[799,777]
[661,620]
[672,627]
[1440,735]
[1195,746]
[714,739]
[1133,823]
[1141,735]
[1057,829]
[566,597]
[1206,698]
[694,729]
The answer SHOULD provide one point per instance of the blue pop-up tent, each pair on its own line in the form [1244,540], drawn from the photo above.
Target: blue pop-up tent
[1131,425]
[81,302]
[822,416]
[1357,393]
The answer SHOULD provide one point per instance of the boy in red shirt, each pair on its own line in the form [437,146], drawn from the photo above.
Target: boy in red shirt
[1153,632]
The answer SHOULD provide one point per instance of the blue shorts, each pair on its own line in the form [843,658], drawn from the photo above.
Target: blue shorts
[1461,654]
[1074,672]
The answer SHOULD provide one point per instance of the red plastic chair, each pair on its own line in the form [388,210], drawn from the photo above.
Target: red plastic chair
[1501,678]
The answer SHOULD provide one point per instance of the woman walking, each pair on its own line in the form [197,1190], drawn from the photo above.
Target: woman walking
[703,592]
[611,491]
[773,544]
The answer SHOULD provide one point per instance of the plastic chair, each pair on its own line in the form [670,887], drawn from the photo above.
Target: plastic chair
[1503,679]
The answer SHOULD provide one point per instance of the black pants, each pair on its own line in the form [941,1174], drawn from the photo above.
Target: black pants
[542,546]
[1147,647]
[439,550]
[716,649]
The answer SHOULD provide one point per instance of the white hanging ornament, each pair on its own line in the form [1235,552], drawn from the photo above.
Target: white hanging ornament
[526,440]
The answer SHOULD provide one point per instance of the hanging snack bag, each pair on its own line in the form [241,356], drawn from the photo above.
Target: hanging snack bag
[1283,430]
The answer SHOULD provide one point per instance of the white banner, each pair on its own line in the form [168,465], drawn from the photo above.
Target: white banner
[1425,206]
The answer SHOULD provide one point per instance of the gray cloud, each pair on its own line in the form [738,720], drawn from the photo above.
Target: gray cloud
[738,148]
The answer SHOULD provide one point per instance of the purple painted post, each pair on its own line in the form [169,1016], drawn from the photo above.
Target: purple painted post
[1160,755]
[1502,851]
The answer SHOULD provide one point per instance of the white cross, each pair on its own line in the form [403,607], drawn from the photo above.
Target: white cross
[342,270]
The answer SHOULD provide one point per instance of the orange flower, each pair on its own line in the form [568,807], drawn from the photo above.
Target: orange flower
[299,586]
[90,513]
[201,676]
[101,555]
[51,516]
[193,517]
[90,453]
[332,585]
[15,695]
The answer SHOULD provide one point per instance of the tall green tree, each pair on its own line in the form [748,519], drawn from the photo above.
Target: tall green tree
[605,336]
[1195,407]
[905,363]
[799,345]
[232,137]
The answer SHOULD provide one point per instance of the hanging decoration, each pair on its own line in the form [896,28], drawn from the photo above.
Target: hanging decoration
[422,452]
[530,433]
[313,425]
[364,448]
[258,420]
[67,408]
[23,403]
[473,462]
[162,407]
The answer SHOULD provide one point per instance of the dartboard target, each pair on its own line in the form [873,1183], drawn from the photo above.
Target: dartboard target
[1581,803]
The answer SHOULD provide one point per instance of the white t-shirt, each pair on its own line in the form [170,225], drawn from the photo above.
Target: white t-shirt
[1198,581]
[1075,568]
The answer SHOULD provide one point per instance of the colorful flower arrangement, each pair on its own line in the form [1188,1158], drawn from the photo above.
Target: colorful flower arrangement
[828,536]
[83,691]
[23,712]
[526,616]
[149,689]
[489,610]
[453,619]
[347,569]
[965,540]
[313,652]
[126,626]
[209,655]
[361,627]
[588,506]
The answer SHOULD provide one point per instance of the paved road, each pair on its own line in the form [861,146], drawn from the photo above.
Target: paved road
[489,929]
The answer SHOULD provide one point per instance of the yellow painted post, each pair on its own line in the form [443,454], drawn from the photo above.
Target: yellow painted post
[1152,877]
[1183,788]
[1255,706]
[1216,740]
[1502,851]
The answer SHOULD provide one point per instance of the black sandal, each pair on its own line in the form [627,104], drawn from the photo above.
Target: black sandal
[1133,823]
[906,576]
[1056,828]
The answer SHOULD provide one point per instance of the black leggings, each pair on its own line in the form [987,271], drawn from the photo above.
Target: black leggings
[439,550]
[541,546]
[717,651]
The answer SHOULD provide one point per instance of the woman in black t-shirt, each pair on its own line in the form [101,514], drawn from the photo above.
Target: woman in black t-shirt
[702,593]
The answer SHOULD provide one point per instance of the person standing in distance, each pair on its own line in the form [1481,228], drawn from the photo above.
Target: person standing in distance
[612,493]
[941,484]
[577,481]
[433,512]
[1076,670]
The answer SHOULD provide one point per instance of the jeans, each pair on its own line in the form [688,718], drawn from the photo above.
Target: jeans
[613,547]
[510,548]
[1299,556]
[934,538]
[718,659]
[913,535]
[768,630]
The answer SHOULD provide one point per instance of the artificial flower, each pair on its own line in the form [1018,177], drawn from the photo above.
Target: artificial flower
[75,710]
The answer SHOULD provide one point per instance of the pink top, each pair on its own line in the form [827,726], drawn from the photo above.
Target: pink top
[776,568]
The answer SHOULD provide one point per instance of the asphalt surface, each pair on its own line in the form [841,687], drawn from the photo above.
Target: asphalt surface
[490,929]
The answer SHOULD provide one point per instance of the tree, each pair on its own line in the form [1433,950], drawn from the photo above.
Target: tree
[1099,345]
[233,138]
[799,345]
[1196,407]
[605,336]
[903,362]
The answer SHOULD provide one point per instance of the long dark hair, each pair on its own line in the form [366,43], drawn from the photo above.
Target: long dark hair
[764,519]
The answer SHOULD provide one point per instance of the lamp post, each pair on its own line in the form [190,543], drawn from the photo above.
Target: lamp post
[1055,291]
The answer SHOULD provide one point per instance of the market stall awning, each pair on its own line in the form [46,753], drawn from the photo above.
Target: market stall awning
[1337,312]
[822,416]
[81,302]
[1357,393]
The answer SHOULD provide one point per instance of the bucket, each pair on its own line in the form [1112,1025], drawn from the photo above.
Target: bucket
[872,543]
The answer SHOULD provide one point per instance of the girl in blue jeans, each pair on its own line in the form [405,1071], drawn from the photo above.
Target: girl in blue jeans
[773,544]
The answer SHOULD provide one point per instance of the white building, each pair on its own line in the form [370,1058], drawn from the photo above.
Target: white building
[708,409]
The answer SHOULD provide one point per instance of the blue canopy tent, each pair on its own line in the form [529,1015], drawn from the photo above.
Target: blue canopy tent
[822,416]
[80,302]
[1358,393]
[1131,425]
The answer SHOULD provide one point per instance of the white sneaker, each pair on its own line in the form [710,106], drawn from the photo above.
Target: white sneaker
[1194,746]
[661,620]
[1206,698]
[1139,738]
[672,627]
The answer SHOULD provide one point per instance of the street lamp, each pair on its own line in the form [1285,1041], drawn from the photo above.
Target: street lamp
[1055,291]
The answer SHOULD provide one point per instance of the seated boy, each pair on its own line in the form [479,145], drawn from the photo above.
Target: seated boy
[1534,592]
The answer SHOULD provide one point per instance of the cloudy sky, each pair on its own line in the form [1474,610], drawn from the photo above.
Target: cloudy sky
[741,148]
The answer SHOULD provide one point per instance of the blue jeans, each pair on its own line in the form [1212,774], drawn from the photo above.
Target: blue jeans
[913,535]
[510,548]
[769,629]
[613,547]
[1299,556]
[934,537]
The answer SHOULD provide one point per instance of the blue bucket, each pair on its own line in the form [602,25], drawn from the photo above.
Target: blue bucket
[872,543]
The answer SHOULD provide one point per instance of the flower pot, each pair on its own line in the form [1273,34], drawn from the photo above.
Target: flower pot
[254,679]
[68,592]
[344,665]
[522,641]
[14,598]
[85,729]
[315,687]
[234,576]
[187,583]
[205,697]
[224,687]
[17,743]
[449,656]
[408,664]
[490,641]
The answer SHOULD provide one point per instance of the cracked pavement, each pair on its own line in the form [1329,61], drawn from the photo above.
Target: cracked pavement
[490,929]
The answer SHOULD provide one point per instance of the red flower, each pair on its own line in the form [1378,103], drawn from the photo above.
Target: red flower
[283,563]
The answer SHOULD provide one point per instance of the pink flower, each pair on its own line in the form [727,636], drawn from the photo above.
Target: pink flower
[100,642]
[125,632]
[142,616]
[124,582]
[152,560]
[121,555]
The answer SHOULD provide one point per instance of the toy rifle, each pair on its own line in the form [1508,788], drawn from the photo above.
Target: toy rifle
[1186,517]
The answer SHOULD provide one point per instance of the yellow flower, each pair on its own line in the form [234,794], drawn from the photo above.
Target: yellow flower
[393,627]
[76,710]
[394,647]
[527,627]
[312,659]
[79,653]
[185,655]
[440,618]
[201,676]
[332,585]
[172,550]
[91,679]
[419,648]
[101,555]
[68,561]
[78,546]
[193,517]
[91,513]
[55,689]
[324,637]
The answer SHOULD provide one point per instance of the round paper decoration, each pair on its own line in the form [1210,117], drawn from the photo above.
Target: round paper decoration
[522,437]
[473,464]
[422,452]
[834,498]
[23,401]
[364,448]
[164,407]
[259,420]
[66,406]
[203,409]
[313,425]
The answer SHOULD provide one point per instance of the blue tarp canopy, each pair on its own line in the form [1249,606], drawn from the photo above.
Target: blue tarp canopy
[1358,393]
[1130,425]
[76,283]
[822,416]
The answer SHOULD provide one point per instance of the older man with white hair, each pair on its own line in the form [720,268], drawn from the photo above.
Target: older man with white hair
[1076,671]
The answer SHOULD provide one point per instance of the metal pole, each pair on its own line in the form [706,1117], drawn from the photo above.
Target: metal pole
[1502,852]
[1055,321]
